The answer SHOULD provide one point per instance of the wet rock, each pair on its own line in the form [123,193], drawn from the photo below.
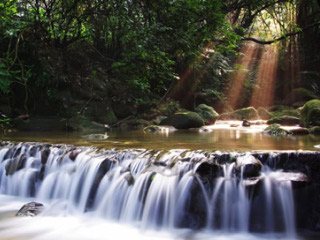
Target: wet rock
[285,120]
[96,136]
[208,114]
[44,155]
[73,155]
[310,114]
[31,209]
[246,123]
[299,131]
[275,130]
[184,120]
[248,166]
[15,164]
[211,170]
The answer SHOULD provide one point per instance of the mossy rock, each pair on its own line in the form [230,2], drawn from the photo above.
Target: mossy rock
[208,114]
[249,113]
[315,130]
[184,120]
[83,124]
[275,129]
[263,113]
[279,110]
[285,120]
[310,113]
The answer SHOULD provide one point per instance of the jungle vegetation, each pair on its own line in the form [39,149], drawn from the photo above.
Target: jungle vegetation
[65,57]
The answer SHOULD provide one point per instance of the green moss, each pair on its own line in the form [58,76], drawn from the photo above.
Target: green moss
[249,113]
[275,129]
[208,114]
[310,113]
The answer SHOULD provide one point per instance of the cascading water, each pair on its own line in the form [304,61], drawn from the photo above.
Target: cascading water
[174,189]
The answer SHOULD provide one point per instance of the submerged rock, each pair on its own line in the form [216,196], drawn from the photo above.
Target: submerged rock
[96,136]
[184,120]
[30,209]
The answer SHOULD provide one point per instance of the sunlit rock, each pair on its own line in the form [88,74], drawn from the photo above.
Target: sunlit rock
[208,114]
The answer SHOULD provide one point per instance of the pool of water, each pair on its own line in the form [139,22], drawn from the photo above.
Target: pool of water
[216,137]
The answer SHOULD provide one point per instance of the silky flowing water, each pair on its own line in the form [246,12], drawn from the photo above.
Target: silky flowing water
[153,185]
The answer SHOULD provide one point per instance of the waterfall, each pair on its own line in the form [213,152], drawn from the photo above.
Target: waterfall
[154,189]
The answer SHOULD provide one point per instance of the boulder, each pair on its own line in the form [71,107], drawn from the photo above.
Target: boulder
[248,166]
[208,114]
[249,113]
[30,209]
[275,129]
[310,113]
[264,113]
[184,120]
[284,120]
[315,130]
[299,131]
[246,123]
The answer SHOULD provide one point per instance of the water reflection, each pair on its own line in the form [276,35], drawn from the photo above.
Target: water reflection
[216,137]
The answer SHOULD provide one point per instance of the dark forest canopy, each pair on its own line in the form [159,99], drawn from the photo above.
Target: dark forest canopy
[136,51]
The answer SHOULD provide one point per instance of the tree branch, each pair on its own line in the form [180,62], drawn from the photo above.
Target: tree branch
[282,37]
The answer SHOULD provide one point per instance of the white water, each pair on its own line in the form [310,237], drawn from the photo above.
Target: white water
[138,194]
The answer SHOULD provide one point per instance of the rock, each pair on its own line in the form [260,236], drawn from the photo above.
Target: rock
[246,123]
[184,120]
[155,128]
[234,125]
[134,124]
[210,170]
[299,131]
[275,129]
[208,114]
[30,209]
[81,123]
[263,113]
[249,113]
[44,155]
[249,166]
[96,136]
[315,130]
[285,120]
[15,164]
[310,113]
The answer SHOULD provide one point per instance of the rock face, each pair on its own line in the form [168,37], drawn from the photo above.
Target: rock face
[264,114]
[310,114]
[30,209]
[184,120]
[208,114]
[285,120]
